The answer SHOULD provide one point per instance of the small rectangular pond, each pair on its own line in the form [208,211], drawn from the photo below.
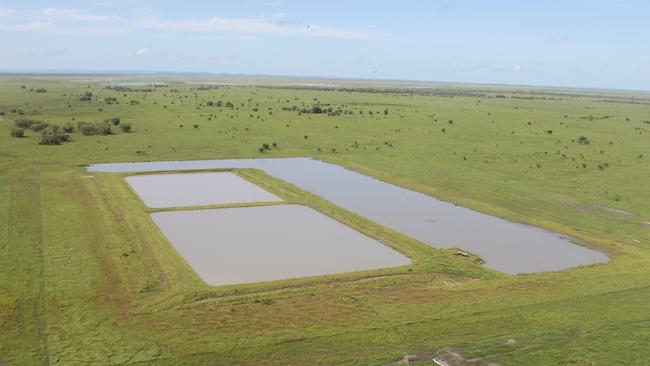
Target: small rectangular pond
[196,189]
[253,244]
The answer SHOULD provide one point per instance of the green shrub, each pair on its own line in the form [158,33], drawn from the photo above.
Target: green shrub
[86,128]
[53,135]
[104,129]
[24,123]
[68,127]
[17,132]
[38,126]
[90,129]
[126,127]
[86,97]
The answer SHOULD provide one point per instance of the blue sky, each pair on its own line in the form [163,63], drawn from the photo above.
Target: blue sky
[593,43]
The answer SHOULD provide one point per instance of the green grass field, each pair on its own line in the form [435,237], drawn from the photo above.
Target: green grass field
[87,278]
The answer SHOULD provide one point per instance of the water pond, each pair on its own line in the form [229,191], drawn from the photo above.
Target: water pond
[196,189]
[505,246]
[264,243]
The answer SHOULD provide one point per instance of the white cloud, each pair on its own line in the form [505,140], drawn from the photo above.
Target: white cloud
[5,12]
[48,53]
[66,21]
[114,3]
[53,28]
[82,21]
[557,40]
[34,26]
[144,51]
[76,15]
[252,25]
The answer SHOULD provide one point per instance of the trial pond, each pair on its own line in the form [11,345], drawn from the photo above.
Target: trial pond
[252,244]
[505,246]
[196,189]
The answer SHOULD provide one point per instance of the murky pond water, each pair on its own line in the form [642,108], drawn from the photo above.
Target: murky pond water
[195,189]
[253,244]
[505,246]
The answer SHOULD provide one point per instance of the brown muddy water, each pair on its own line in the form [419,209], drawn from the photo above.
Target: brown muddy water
[504,246]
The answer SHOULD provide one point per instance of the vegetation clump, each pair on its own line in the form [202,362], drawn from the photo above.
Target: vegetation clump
[38,126]
[68,127]
[86,96]
[126,127]
[267,147]
[114,121]
[17,132]
[90,129]
[24,123]
[54,135]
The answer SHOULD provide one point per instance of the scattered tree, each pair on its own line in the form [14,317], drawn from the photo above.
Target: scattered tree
[86,96]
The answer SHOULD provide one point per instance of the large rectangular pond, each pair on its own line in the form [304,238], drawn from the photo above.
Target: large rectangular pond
[252,244]
[196,189]
[505,246]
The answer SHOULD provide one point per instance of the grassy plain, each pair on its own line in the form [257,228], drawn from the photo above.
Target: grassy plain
[86,278]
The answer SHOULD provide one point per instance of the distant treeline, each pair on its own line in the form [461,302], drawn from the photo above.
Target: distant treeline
[125,89]
[402,91]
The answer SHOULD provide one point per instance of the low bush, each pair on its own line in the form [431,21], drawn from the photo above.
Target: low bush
[39,126]
[24,123]
[126,127]
[68,127]
[90,129]
[17,132]
[54,135]
[86,97]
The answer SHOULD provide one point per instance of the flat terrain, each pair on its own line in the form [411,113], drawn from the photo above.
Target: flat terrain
[87,278]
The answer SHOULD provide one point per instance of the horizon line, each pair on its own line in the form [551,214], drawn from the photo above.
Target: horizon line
[135,72]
